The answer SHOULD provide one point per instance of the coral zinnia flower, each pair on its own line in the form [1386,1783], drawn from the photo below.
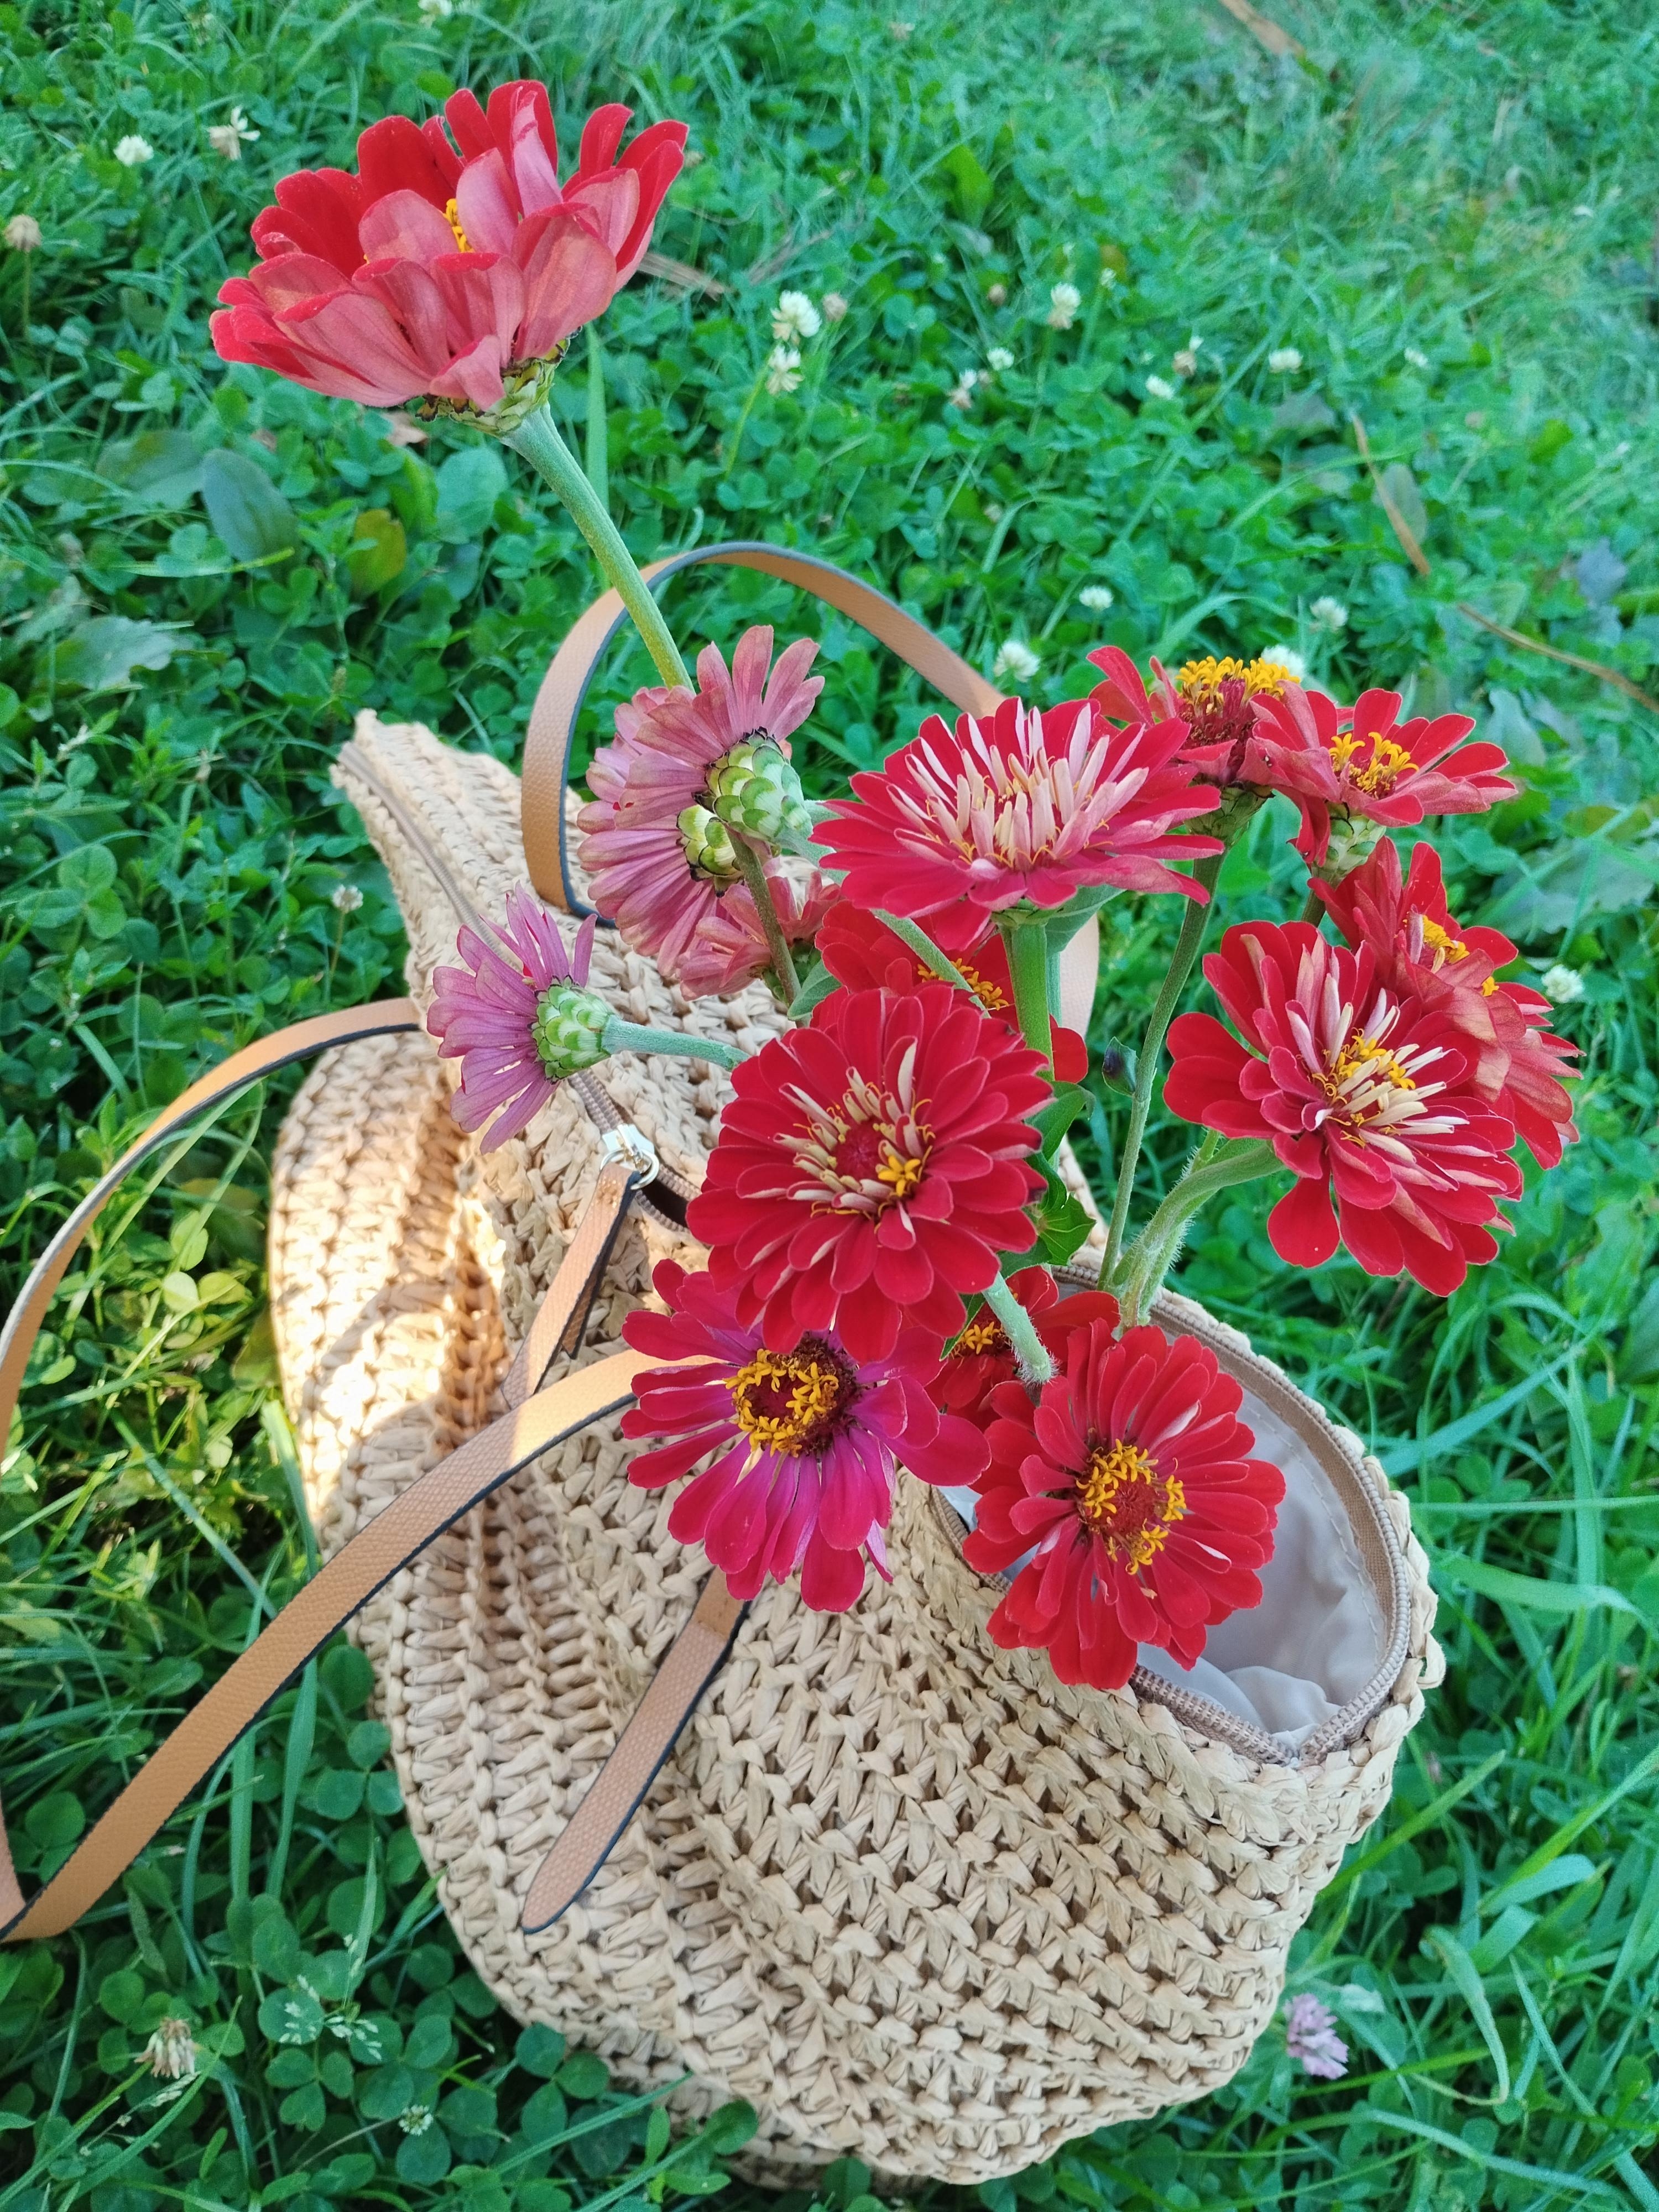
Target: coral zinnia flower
[1377,768]
[516,1029]
[451,274]
[981,1357]
[660,862]
[1359,1091]
[1022,807]
[1214,700]
[807,1440]
[1420,950]
[871,1169]
[863,953]
[1130,1484]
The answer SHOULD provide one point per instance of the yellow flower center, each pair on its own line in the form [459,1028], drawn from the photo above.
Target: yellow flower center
[787,1402]
[866,1153]
[990,995]
[1362,1061]
[452,217]
[1127,1504]
[900,1172]
[1199,681]
[1378,774]
[1442,941]
[980,1336]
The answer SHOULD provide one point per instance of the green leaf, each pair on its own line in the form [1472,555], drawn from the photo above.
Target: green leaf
[1529,1591]
[385,2091]
[276,1948]
[424,2158]
[55,1820]
[101,655]
[121,1994]
[970,183]
[291,2016]
[163,466]
[379,551]
[730,2128]
[469,484]
[540,2050]
[1063,1223]
[369,1743]
[583,2075]
[306,2108]
[245,508]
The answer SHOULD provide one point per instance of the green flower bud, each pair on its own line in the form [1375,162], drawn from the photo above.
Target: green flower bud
[707,844]
[569,1029]
[755,789]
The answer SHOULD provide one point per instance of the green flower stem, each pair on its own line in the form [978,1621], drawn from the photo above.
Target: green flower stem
[619,1036]
[1031,1354]
[599,430]
[1313,907]
[925,949]
[752,869]
[537,442]
[1028,965]
[1193,925]
[1216,1166]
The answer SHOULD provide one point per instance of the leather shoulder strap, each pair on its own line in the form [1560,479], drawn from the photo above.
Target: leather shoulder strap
[553,718]
[390,1541]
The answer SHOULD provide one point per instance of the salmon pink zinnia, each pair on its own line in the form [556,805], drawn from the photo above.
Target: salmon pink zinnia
[1360,1091]
[1130,1491]
[1022,806]
[807,1440]
[871,1169]
[457,270]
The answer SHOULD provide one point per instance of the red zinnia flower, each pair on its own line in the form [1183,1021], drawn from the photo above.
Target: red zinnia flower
[441,271]
[807,1441]
[1358,1090]
[1022,807]
[1132,1478]
[1216,700]
[1518,1058]
[1377,767]
[863,953]
[981,1357]
[871,1169]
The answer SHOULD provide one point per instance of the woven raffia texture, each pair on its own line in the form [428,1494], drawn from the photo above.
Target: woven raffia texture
[908,1896]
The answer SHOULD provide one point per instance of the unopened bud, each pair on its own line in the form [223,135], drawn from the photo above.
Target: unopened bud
[756,789]
[706,844]
[568,1031]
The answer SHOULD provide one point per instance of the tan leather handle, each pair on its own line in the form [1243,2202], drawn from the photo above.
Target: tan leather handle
[395,1536]
[553,717]
[613,1797]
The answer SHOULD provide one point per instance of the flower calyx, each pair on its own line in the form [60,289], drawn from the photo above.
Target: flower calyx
[754,790]
[568,1031]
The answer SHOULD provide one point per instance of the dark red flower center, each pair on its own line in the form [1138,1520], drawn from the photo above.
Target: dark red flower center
[1124,1500]
[866,1153]
[794,1402]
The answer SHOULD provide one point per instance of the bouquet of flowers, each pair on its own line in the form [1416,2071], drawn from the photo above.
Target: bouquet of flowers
[885,1216]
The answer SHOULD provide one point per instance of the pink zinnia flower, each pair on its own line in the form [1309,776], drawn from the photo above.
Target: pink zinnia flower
[1360,1091]
[1022,806]
[486,1015]
[1518,1058]
[656,857]
[1131,1485]
[1369,764]
[441,271]
[807,1440]
[1311,2037]
[872,1168]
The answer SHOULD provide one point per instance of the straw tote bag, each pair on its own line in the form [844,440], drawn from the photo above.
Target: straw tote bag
[908,1895]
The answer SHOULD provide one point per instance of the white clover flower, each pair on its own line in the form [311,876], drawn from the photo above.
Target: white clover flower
[1097,598]
[1184,364]
[1329,613]
[1417,359]
[437,11]
[346,898]
[961,393]
[415,2119]
[171,2053]
[1561,986]
[1063,300]
[998,359]
[132,151]
[835,307]
[229,138]
[1017,659]
[782,369]
[1284,361]
[22,233]
[1294,664]
[794,318]
[1158,388]
[1108,277]
[901,31]
[998,296]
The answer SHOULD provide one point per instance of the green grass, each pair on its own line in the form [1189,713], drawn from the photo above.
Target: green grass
[1448,212]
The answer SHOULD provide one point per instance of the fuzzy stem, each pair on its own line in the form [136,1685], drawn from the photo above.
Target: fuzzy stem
[1193,925]
[1313,907]
[1031,1354]
[1028,968]
[925,949]
[537,442]
[1216,1166]
[598,438]
[619,1036]
[752,869]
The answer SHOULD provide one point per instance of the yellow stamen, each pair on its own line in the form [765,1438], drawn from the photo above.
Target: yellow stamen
[1203,678]
[1128,1505]
[1360,1056]
[1442,940]
[452,217]
[1380,774]
[900,1174]
[980,1336]
[780,1401]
